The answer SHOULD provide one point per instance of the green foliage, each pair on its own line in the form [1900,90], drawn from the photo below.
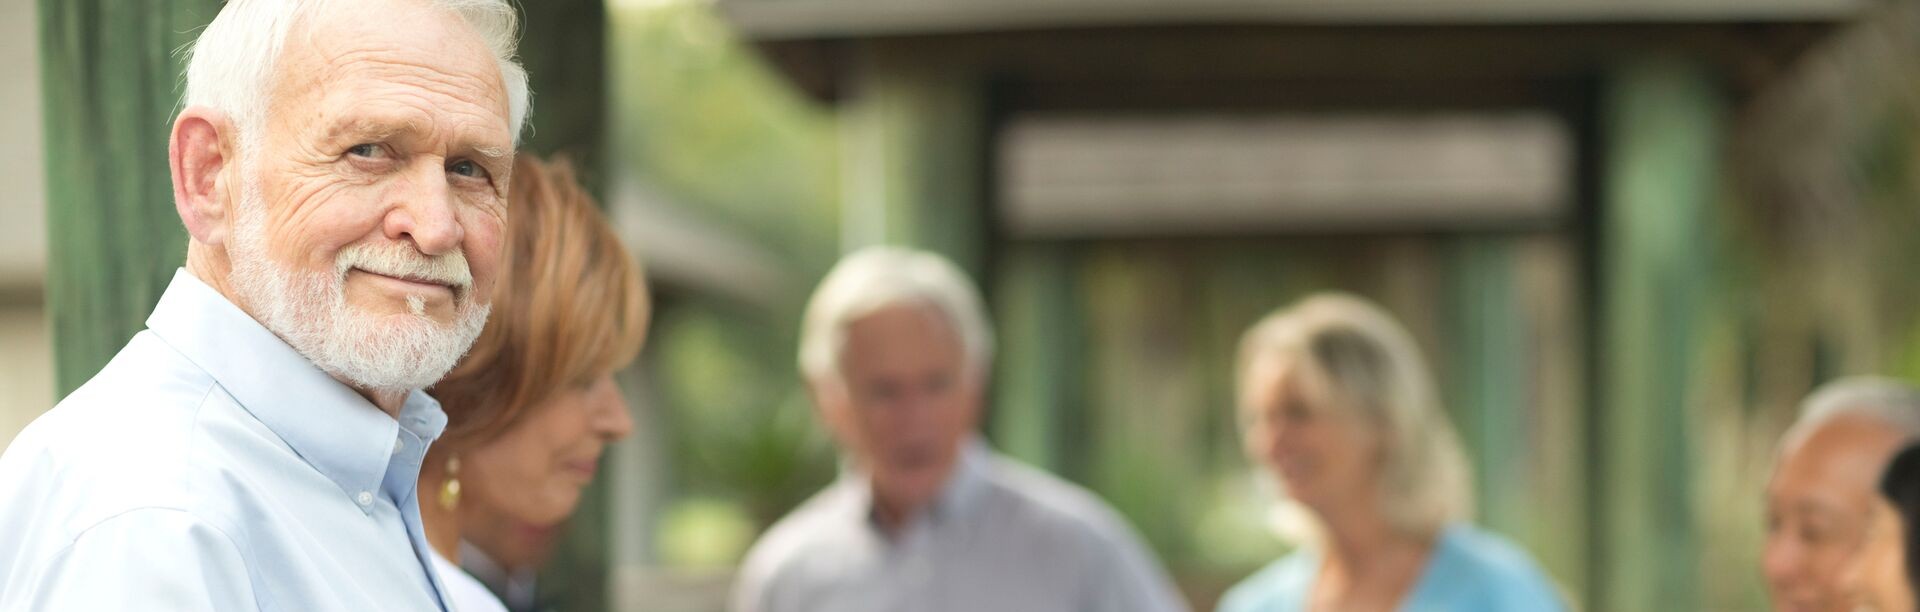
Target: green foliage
[705,533]
[699,116]
[740,426]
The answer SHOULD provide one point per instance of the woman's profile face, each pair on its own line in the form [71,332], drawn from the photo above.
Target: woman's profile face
[533,473]
[1325,456]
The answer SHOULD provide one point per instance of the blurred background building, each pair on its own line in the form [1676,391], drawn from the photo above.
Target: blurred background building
[1628,234]
[26,365]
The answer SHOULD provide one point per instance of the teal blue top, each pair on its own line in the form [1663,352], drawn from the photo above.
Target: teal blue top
[1470,571]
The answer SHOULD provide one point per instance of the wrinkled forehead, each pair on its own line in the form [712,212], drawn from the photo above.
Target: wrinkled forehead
[899,328]
[412,52]
[1838,461]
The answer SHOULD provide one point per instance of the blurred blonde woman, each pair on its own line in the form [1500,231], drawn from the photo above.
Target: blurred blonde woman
[1337,407]
[533,406]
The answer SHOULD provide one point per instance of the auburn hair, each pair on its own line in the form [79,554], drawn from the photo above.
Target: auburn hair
[570,306]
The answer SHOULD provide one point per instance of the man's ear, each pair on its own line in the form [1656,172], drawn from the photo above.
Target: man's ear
[816,391]
[830,404]
[974,396]
[200,152]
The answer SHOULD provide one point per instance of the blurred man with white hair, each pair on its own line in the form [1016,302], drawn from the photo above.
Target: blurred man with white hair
[896,350]
[1833,543]
[341,168]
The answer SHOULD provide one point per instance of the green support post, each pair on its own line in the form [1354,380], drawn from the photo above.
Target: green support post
[1662,126]
[111,81]
[563,46]
[913,138]
[1510,389]
[1038,399]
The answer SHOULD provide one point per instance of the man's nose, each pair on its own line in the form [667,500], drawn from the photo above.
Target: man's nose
[424,211]
[1780,560]
[919,403]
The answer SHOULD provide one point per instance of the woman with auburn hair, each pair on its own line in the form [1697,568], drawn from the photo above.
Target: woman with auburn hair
[534,404]
[1339,410]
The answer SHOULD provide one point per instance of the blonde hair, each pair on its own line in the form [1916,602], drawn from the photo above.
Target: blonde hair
[1371,366]
[570,306]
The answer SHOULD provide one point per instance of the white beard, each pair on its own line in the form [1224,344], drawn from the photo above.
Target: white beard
[393,353]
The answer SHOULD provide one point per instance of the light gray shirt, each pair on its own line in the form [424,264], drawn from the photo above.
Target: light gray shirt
[1000,537]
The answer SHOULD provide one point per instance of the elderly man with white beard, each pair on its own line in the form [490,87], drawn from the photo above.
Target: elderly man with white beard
[341,168]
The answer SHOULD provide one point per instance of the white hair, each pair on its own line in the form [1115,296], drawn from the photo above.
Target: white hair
[875,278]
[1371,366]
[232,64]
[1893,402]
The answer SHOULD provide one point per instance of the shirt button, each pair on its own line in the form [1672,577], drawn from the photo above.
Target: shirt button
[365,498]
[397,445]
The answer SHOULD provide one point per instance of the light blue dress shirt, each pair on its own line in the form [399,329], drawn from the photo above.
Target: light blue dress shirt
[210,466]
[1470,571]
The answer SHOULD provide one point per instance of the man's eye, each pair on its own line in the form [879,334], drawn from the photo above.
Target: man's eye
[883,392]
[1296,412]
[468,169]
[938,383]
[365,150]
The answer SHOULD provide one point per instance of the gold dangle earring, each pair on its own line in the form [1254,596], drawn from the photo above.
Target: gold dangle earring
[450,490]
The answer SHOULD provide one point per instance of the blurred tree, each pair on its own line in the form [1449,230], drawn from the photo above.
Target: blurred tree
[699,117]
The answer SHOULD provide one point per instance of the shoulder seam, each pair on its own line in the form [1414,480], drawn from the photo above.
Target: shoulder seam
[40,565]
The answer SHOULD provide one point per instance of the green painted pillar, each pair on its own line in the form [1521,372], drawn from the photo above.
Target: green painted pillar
[1490,362]
[563,46]
[913,138]
[1509,365]
[1662,130]
[110,80]
[1039,399]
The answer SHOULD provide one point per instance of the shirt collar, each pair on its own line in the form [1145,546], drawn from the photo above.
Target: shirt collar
[969,477]
[325,422]
[956,496]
